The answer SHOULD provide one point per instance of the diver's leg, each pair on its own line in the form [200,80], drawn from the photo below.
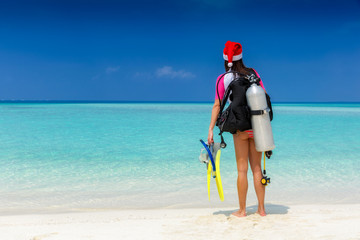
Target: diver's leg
[241,143]
[255,164]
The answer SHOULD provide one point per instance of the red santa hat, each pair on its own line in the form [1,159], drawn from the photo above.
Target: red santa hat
[232,52]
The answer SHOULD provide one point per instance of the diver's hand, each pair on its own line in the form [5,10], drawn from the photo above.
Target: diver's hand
[210,137]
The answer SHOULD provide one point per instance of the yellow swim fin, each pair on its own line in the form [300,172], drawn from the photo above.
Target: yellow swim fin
[209,170]
[217,176]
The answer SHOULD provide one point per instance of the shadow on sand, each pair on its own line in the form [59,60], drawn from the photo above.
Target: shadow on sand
[270,209]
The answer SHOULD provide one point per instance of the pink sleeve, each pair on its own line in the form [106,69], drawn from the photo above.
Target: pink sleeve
[221,88]
[261,83]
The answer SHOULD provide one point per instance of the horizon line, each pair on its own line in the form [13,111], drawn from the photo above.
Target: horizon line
[131,101]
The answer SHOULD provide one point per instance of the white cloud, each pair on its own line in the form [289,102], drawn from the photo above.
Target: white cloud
[165,72]
[169,72]
[109,70]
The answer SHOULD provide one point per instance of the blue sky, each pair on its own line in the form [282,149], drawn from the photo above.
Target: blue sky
[305,51]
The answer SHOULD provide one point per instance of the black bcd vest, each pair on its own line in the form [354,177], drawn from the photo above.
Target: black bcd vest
[238,115]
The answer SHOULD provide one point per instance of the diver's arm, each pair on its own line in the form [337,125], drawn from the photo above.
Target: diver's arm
[214,114]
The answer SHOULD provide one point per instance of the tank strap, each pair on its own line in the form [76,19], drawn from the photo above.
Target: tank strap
[260,112]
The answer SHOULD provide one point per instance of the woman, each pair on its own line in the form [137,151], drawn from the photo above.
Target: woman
[243,141]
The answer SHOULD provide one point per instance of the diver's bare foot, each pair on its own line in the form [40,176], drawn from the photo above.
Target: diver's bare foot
[261,213]
[239,213]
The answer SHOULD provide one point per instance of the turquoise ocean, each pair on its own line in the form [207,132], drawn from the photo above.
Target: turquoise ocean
[83,156]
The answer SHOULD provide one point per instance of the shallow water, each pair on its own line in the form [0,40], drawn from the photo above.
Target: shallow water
[70,156]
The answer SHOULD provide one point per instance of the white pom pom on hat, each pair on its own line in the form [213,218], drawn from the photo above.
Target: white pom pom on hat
[232,52]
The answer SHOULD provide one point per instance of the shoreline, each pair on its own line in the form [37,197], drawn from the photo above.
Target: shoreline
[328,221]
[217,205]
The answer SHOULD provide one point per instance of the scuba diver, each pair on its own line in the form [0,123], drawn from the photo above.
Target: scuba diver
[243,135]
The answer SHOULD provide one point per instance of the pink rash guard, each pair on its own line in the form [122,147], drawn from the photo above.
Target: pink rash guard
[224,83]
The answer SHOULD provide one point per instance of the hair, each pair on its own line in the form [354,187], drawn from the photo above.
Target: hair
[238,66]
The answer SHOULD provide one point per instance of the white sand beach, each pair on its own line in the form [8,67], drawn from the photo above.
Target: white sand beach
[282,222]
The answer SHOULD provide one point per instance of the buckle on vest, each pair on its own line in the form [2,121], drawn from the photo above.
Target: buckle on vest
[260,112]
[266,110]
